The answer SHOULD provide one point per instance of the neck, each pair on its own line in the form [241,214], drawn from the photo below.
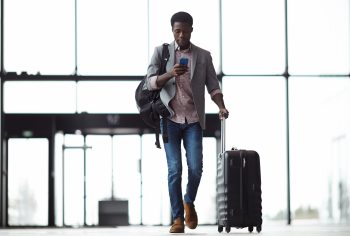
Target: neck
[185,47]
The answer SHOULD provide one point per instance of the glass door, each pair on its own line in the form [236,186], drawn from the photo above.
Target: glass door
[83,177]
[73,180]
[98,174]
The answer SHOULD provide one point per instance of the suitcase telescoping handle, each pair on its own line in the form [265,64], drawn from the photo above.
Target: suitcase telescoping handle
[223,136]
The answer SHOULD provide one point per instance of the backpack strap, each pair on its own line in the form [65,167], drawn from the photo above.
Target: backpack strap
[162,70]
[165,58]
[157,143]
[165,130]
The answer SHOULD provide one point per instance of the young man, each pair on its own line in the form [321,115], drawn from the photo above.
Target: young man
[183,88]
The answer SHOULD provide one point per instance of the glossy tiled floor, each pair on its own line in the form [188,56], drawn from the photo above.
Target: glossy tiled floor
[163,230]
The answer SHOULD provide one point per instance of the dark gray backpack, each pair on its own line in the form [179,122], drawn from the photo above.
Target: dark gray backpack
[149,104]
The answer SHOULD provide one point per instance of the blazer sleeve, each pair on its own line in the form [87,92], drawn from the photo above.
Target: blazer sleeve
[212,81]
[153,68]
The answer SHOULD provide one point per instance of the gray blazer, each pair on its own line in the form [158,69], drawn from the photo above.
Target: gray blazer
[202,74]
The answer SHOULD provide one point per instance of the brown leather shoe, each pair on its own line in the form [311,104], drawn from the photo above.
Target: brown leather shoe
[191,219]
[178,226]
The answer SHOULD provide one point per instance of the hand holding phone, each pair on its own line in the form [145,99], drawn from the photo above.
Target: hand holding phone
[183,61]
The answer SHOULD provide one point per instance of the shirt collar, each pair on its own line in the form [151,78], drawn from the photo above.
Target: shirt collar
[177,47]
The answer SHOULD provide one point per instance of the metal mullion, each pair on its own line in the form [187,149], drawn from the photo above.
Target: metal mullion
[286,75]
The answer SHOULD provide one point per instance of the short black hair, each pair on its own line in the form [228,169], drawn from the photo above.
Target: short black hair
[181,16]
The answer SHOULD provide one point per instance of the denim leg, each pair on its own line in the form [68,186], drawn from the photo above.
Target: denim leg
[193,139]
[173,156]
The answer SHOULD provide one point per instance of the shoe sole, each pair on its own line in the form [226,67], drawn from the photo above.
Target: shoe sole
[191,226]
[180,232]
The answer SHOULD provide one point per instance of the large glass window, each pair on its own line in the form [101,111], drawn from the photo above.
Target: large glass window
[253,39]
[319,148]
[39,97]
[28,181]
[318,37]
[112,37]
[39,36]
[107,96]
[257,121]
[96,39]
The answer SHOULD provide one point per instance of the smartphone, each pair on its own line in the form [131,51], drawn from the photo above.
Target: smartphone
[183,61]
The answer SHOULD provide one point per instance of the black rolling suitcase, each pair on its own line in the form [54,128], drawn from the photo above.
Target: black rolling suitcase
[238,188]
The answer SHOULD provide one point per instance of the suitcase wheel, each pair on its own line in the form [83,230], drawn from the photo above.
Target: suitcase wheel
[220,228]
[258,228]
[228,229]
[250,228]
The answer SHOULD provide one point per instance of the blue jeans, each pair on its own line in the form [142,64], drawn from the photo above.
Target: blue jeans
[192,136]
